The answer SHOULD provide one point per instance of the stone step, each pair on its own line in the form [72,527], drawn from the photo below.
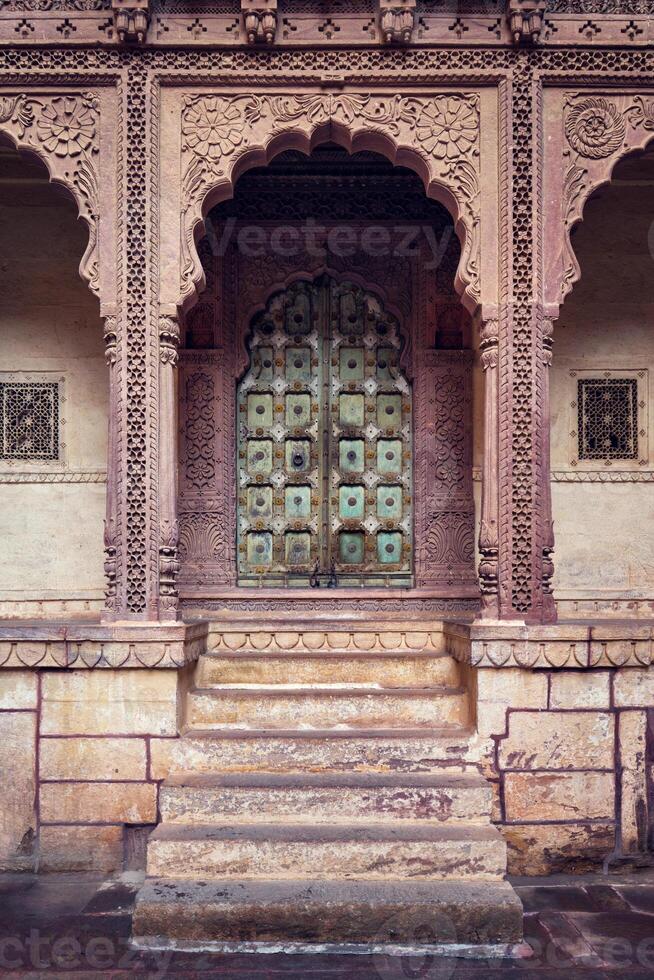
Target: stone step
[288,707]
[387,669]
[325,797]
[403,849]
[372,750]
[327,911]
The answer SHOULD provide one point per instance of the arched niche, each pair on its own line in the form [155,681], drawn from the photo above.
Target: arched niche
[336,189]
[602,411]
[53,399]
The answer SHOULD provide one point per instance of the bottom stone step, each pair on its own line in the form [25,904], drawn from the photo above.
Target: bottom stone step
[327,911]
[393,851]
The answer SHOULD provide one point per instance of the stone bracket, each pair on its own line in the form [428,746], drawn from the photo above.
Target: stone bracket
[131,19]
[259,20]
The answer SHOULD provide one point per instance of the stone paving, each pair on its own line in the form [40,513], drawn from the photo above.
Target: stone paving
[78,926]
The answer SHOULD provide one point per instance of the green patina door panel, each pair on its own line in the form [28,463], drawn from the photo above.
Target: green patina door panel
[325,442]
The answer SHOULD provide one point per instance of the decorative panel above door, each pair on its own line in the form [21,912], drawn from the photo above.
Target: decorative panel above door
[324,442]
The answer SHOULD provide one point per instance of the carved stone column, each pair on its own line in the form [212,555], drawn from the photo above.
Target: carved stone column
[545,516]
[489,526]
[169,335]
[110,543]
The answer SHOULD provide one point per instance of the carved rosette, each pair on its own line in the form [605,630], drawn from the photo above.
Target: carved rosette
[598,131]
[442,130]
[63,131]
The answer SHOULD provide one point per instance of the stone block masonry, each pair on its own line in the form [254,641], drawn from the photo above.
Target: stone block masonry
[83,753]
[570,763]
[75,762]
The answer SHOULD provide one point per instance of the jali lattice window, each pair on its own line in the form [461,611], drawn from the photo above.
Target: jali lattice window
[607,410]
[29,420]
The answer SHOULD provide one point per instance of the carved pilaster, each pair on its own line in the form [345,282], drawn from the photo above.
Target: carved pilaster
[489,529]
[547,524]
[110,549]
[169,335]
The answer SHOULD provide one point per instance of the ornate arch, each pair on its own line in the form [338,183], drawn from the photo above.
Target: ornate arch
[598,131]
[436,136]
[63,132]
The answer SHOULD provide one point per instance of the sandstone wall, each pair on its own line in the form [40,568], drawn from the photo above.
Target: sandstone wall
[75,762]
[571,762]
[51,520]
[83,752]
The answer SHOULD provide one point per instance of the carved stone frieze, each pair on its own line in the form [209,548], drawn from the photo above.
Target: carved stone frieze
[101,647]
[63,130]
[441,131]
[571,645]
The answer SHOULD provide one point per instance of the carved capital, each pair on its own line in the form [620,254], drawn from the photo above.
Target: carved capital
[260,20]
[397,20]
[110,339]
[169,337]
[131,19]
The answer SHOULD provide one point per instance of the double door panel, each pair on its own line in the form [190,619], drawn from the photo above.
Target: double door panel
[324,442]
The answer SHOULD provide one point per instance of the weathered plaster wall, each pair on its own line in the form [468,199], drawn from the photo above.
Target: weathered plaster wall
[605,532]
[52,532]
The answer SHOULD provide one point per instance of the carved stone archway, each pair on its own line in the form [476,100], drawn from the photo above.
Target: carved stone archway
[437,136]
[210,139]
